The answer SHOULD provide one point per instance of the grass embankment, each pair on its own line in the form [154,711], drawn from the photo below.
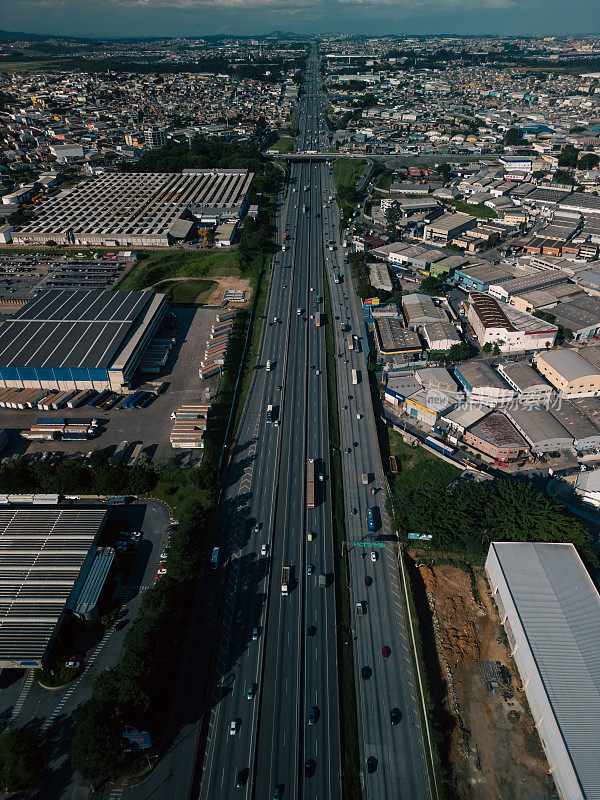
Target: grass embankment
[347,696]
[346,173]
[186,291]
[283,145]
[477,210]
[384,182]
[158,266]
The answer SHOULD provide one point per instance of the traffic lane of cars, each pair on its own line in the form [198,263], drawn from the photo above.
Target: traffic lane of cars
[246,679]
[370,632]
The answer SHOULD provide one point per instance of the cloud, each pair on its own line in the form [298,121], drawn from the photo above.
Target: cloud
[191,5]
[425,5]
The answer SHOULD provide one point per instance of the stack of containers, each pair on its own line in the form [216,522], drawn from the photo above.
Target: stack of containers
[189,426]
[156,356]
[216,347]
[59,428]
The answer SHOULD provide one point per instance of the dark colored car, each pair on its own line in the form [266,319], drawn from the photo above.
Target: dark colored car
[366,673]
[371,764]
[395,716]
[242,778]
[309,767]
[311,630]
[313,715]
[385,651]
[278,792]
[368,580]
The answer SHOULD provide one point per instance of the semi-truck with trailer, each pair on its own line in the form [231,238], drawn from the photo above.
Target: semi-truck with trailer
[310,483]
[285,580]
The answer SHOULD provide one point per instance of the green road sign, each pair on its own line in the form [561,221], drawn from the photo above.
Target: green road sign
[369,544]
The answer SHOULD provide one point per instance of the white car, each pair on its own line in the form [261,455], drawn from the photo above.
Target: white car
[233,727]
[373,555]
[264,549]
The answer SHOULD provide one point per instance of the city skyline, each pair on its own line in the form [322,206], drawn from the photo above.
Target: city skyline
[307,17]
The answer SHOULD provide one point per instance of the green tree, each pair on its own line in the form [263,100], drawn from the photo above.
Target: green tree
[432,285]
[564,176]
[588,161]
[513,136]
[97,747]
[20,759]
[568,156]
[496,350]
[487,348]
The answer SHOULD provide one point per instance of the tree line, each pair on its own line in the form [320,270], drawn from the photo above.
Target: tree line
[467,517]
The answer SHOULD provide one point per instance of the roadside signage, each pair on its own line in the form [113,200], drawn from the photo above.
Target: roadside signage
[371,301]
[369,544]
[423,537]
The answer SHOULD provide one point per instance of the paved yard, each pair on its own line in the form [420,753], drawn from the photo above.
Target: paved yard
[151,425]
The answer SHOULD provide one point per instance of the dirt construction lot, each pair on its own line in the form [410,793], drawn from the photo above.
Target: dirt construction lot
[215,296]
[494,748]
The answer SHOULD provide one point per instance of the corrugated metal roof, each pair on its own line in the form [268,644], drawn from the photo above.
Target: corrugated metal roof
[42,552]
[92,581]
[71,328]
[559,608]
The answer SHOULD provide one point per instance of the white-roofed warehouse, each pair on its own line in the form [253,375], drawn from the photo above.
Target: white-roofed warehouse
[551,613]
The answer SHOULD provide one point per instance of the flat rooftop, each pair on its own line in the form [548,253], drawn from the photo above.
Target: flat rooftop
[497,430]
[122,205]
[71,328]
[392,337]
[559,609]
[42,552]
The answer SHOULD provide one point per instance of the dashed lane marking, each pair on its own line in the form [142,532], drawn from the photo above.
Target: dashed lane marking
[21,698]
[66,697]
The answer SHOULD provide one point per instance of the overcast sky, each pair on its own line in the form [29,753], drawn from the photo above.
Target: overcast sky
[198,17]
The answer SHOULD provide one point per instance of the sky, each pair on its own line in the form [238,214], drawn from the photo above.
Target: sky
[202,17]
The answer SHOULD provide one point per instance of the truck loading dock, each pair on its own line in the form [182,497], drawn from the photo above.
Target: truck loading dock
[78,339]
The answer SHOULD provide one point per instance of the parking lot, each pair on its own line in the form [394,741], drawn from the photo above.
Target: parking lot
[150,426]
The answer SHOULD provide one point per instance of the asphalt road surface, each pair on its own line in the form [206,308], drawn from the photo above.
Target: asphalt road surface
[288,672]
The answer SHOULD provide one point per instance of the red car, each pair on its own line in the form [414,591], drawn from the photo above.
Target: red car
[385,651]
[368,580]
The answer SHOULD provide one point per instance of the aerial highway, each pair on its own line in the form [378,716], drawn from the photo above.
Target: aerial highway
[274,727]
[393,762]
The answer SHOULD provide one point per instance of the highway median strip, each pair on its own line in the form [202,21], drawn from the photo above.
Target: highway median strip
[350,761]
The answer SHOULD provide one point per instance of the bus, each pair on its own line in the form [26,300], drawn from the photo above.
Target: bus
[355,376]
[317,319]
[310,483]
[370,519]
[350,341]
[214,559]
[336,277]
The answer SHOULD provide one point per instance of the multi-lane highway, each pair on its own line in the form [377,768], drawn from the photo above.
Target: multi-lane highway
[390,737]
[274,721]
[274,725]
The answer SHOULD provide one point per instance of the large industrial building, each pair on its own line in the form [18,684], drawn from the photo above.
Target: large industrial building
[504,326]
[78,339]
[47,557]
[550,610]
[139,209]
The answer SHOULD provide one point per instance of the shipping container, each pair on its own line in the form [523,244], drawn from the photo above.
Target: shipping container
[80,398]
[439,446]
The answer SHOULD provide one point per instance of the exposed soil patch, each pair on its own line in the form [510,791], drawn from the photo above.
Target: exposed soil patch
[214,297]
[492,746]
